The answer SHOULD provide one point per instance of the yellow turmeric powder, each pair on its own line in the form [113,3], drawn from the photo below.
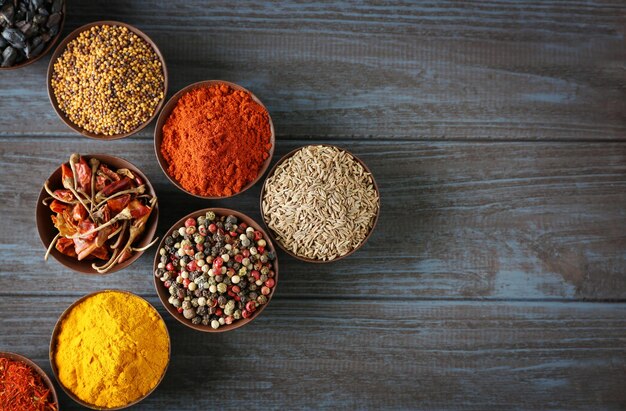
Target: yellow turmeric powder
[112,349]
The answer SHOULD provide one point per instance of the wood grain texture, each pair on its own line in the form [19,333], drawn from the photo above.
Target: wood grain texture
[480,220]
[496,277]
[415,70]
[305,353]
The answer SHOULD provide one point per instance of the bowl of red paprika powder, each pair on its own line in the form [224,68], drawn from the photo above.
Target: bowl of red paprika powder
[214,139]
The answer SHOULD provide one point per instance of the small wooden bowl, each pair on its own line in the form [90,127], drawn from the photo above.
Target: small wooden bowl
[47,231]
[165,114]
[48,47]
[44,376]
[164,293]
[55,334]
[61,49]
[273,235]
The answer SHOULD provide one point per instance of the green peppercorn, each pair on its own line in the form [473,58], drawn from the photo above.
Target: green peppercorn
[210,215]
[222,288]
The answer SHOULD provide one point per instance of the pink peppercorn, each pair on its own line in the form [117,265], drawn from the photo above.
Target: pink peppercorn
[246,314]
[212,228]
[219,312]
[217,263]
[243,226]
[169,267]
[239,258]
[251,306]
[190,222]
[236,289]
[260,249]
[186,282]
[245,253]
[258,235]
[265,290]
[256,274]
[270,282]
[229,319]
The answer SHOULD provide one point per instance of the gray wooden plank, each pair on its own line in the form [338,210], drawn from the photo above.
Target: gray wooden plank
[429,70]
[459,220]
[304,353]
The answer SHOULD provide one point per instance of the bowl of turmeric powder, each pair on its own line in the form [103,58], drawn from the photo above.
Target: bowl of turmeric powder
[214,139]
[97,214]
[109,350]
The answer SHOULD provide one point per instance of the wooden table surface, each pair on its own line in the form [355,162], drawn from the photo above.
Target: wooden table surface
[496,277]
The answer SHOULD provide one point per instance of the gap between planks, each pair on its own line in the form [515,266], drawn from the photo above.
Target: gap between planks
[359,139]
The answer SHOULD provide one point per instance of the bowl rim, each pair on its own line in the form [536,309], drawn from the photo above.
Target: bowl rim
[15,356]
[161,290]
[61,48]
[47,49]
[55,333]
[273,235]
[147,236]
[169,107]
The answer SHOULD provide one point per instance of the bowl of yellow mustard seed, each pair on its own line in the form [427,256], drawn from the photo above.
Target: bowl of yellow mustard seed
[109,350]
[107,80]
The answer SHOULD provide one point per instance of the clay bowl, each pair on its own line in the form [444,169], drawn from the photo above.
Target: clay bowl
[167,110]
[273,235]
[47,231]
[164,293]
[44,376]
[61,49]
[46,49]
[55,370]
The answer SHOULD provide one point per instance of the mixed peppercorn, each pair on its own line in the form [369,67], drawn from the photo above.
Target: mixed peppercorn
[217,269]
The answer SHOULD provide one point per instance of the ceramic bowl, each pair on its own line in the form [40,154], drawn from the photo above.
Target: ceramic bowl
[61,49]
[44,376]
[167,110]
[272,234]
[164,294]
[55,370]
[47,231]
[46,49]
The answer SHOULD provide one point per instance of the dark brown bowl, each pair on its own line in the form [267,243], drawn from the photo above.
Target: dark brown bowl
[44,376]
[47,231]
[61,49]
[55,334]
[46,50]
[167,110]
[164,294]
[273,235]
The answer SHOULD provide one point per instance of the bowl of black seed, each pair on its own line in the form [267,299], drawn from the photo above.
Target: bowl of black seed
[28,30]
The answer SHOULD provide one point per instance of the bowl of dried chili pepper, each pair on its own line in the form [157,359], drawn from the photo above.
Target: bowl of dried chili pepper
[97,214]
[24,385]
[214,139]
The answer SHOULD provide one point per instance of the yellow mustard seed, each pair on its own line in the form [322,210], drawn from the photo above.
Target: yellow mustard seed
[108,80]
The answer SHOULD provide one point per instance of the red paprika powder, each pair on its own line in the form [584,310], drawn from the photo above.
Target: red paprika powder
[216,140]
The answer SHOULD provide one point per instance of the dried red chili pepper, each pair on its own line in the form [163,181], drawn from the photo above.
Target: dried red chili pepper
[100,213]
[58,206]
[119,203]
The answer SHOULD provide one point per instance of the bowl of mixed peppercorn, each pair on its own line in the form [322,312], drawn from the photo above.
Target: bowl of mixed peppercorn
[215,270]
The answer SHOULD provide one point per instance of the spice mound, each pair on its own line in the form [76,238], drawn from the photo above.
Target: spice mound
[108,81]
[216,140]
[22,388]
[100,212]
[217,270]
[26,28]
[320,203]
[112,349]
